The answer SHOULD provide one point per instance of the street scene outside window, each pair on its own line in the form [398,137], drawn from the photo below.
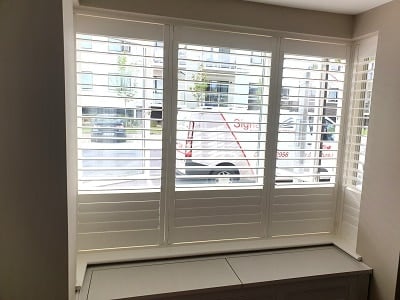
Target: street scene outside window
[310,116]
[222,106]
[119,128]
[222,116]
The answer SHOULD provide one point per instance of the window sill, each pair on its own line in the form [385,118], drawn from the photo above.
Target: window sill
[279,274]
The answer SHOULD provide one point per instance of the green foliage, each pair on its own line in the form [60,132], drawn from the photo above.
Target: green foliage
[200,84]
[125,86]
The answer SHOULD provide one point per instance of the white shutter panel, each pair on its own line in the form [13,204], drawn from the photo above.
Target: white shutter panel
[217,215]
[107,221]
[222,104]
[119,118]
[300,211]
[304,199]
[357,130]
[356,137]
[310,114]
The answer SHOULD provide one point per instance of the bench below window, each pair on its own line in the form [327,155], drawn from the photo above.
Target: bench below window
[304,273]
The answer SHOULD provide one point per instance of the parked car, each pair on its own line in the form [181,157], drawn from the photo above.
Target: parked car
[108,129]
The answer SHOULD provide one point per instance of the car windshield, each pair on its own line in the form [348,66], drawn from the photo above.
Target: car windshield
[108,122]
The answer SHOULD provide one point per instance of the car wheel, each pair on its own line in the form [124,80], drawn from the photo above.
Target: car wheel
[222,177]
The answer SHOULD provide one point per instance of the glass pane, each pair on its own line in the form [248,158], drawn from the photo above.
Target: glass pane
[222,117]
[119,116]
[85,80]
[309,123]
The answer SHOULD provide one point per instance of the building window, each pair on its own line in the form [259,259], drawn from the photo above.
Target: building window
[84,41]
[333,94]
[256,57]
[285,92]
[85,80]
[158,86]
[217,93]
[255,92]
[118,45]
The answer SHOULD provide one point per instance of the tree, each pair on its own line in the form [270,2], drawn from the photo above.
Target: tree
[200,85]
[125,86]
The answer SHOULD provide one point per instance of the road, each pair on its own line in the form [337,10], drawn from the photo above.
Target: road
[121,161]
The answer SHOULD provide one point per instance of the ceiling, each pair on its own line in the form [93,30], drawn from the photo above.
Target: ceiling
[351,7]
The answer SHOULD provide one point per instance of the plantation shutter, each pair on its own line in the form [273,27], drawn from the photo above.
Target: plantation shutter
[175,144]
[357,134]
[222,104]
[304,198]
[119,132]
[357,130]
[310,114]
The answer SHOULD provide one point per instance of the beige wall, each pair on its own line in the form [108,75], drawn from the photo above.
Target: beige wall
[379,228]
[33,205]
[238,13]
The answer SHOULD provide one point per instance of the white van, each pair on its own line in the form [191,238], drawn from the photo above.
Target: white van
[220,144]
[227,146]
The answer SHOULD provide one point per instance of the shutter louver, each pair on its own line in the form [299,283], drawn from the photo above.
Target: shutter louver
[117,221]
[299,211]
[217,215]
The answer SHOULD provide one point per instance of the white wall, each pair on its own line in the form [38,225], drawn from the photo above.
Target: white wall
[240,13]
[33,199]
[379,227]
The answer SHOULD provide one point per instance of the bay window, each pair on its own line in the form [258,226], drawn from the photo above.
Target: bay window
[192,135]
